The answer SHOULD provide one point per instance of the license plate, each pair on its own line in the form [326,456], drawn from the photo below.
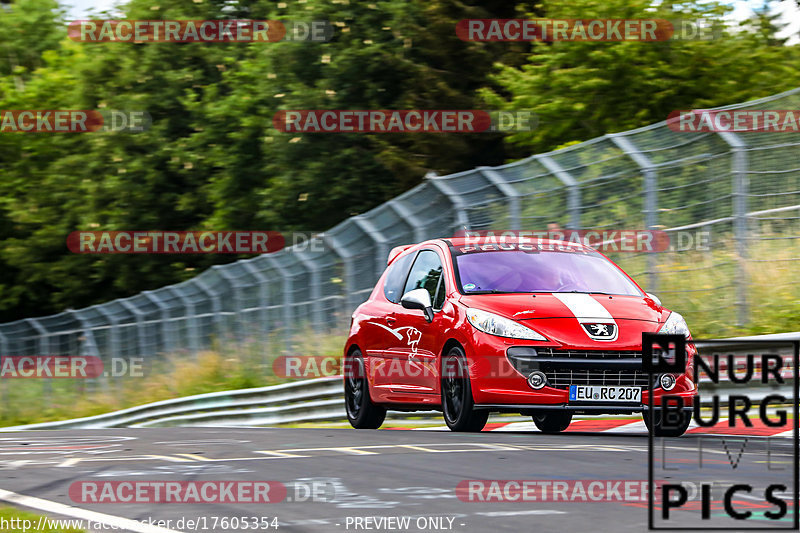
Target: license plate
[596,393]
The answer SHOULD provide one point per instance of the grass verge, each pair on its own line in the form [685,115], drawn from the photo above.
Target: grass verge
[13,520]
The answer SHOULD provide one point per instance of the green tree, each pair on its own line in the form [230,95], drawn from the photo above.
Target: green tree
[583,90]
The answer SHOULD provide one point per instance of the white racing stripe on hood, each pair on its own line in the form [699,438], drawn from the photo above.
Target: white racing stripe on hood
[584,307]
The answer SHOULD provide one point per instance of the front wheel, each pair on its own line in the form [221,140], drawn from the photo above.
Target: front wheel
[552,422]
[659,430]
[361,412]
[458,405]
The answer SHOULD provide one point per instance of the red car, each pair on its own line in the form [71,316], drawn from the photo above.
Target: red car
[547,329]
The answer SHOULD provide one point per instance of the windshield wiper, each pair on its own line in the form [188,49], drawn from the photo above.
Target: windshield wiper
[583,292]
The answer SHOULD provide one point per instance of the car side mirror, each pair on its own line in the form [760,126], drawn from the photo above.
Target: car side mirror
[654,298]
[418,299]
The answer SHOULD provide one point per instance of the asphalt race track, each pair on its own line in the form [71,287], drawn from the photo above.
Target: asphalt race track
[412,474]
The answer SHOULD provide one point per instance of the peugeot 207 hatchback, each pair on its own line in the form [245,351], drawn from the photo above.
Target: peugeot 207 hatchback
[546,329]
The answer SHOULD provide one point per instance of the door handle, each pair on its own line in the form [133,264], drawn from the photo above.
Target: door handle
[391,319]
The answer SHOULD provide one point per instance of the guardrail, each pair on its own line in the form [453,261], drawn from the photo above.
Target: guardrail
[322,399]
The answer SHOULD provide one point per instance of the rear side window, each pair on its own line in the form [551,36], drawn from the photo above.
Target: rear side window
[396,278]
[427,274]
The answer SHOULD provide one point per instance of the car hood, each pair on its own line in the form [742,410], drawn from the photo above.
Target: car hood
[560,316]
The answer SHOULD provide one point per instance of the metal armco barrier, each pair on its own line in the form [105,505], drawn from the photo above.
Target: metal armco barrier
[322,399]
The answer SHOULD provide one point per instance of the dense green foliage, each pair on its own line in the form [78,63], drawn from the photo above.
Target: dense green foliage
[212,158]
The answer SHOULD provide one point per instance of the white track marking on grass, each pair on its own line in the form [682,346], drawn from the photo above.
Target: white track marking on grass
[117,522]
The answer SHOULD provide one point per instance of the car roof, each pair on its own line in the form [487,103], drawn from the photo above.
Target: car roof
[500,239]
[458,242]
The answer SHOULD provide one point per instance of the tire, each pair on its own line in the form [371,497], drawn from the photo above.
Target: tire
[458,405]
[552,422]
[361,412]
[660,431]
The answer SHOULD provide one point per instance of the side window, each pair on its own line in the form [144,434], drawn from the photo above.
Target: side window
[396,277]
[426,274]
[438,302]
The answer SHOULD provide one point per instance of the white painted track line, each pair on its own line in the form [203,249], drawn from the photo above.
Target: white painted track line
[48,506]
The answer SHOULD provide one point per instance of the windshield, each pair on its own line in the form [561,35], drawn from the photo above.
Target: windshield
[544,271]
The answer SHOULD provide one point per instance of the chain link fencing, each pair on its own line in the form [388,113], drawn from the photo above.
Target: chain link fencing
[741,190]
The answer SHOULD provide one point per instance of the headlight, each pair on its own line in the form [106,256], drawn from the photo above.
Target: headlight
[675,324]
[502,327]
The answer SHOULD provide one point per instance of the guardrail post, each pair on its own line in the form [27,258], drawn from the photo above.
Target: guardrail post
[650,197]
[573,190]
[511,194]
[740,189]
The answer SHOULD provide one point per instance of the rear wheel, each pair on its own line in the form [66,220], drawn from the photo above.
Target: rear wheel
[457,403]
[552,422]
[361,412]
[670,431]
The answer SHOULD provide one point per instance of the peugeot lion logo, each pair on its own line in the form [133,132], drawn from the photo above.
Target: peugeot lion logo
[601,331]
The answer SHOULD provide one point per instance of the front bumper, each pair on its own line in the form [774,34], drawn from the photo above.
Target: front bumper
[499,368]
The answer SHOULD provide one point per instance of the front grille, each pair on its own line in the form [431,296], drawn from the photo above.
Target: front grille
[563,378]
[580,367]
[587,354]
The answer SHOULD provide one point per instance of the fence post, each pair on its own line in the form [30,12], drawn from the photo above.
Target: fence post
[405,213]
[44,340]
[573,190]
[511,194]
[140,331]
[650,197]
[190,316]
[216,308]
[166,331]
[381,242]
[462,220]
[349,270]
[317,318]
[288,298]
[4,352]
[262,293]
[740,188]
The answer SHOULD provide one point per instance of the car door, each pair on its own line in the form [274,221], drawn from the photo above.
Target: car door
[381,330]
[416,340]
